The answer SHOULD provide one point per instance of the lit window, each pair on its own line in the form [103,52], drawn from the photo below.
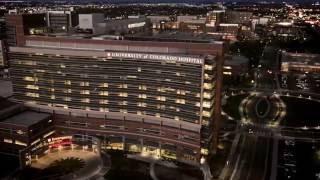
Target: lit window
[84,84]
[103,109]
[206,104]
[142,96]
[176,118]
[123,94]
[161,89]
[67,82]
[139,69]
[32,94]
[123,110]
[7,140]
[208,77]
[67,98]
[84,92]
[123,103]
[182,92]
[180,101]
[158,115]
[34,87]
[208,67]
[85,100]
[28,78]
[104,85]
[53,97]
[142,87]
[206,113]
[30,63]
[142,104]
[52,89]
[104,101]
[198,104]
[67,91]
[103,93]
[207,86]
[62,66]
[161,98]
[17,142]
[123,86]
[207,95]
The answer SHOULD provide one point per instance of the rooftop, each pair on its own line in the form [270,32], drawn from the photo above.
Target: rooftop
[26,118]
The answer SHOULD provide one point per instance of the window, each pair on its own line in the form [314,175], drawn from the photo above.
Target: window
[104,110]
[123,110]
[84,83]
[84,92]
[67,91]
[142,87]
[7,140]
[142,104]
[198,104]
[67,98]
[34,87]
[206,113]
[53,97]
[67,82]
[182,92]
[208,67]
[85,100]
[123,103]
[123,94]
[103,93]
[139,69]
[17,142]
[142,96]
[180,101]
[207,95]
[206,104]
[161,98]
[104,85]
[161,89]
[32,94]
[176,118]
[158,115]
[104,101]
[124,86]
[207,86]
[28,78]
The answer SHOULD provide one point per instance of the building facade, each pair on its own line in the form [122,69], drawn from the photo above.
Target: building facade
[160,99]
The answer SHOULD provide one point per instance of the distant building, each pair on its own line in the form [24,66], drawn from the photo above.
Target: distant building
[19,25]
[61,21]
[235,65]
[191,24]
[157,22]
[90,21]
[300,71]
[300,62]
[238,17]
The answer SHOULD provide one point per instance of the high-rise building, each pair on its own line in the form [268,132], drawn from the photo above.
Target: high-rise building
[157,98]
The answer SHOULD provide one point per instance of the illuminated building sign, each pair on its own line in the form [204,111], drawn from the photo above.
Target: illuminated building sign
[155,57]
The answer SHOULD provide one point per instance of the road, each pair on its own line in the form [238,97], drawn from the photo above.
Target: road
[250,159]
